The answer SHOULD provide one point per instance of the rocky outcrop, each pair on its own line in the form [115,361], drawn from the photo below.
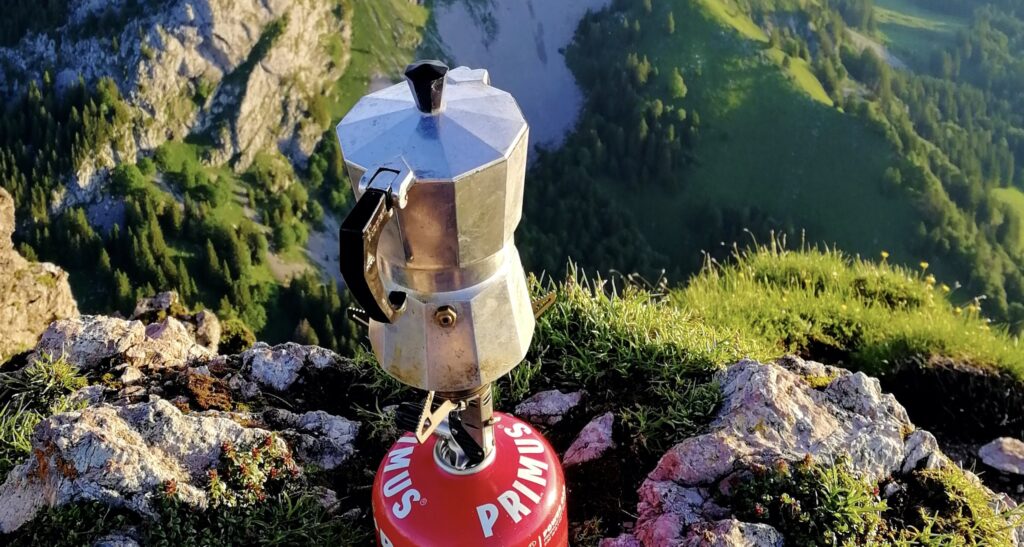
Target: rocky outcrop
[90,341]
[203,326]
[118,456]
[31,294]
[140,431]
[773,412]
[243,71]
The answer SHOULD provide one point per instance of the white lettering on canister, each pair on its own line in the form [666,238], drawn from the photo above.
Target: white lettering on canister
[509,500]
[396,484]
[398,459]
[518,501]
[488,515]
[532,470]
[402,482]
[402,508]
[518,430]
[529,446]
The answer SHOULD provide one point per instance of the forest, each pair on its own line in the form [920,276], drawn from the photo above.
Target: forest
[955,127]
[202,245]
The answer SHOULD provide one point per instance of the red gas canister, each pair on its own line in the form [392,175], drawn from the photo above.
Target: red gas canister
[516,499]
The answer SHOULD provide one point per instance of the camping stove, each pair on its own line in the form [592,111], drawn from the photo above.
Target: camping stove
[437,165]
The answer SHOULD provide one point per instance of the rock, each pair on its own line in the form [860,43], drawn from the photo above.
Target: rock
[6,221]
[593,441]
[162,302]
[169,344]
[275,50]
[548,407]
[118,456]
[207,330]
[91,341]
[623,540]
[922,452]
[203,327]
[281,366]
[276,367]
[131,375]
[316,437]
[245,389]
[32,295]
[771,412]
[119,539]
[327,498]
[1005,454]
[87,396]
[732,533]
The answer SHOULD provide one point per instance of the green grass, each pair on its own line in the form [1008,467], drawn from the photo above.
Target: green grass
[766,144]
[1015,199]
[385,35]
[826,303]
[912,31]
[28,396]
[818,503]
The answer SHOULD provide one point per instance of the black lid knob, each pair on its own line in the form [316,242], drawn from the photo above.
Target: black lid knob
[426,80]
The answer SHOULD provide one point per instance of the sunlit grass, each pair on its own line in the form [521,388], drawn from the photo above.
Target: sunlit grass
[827,302]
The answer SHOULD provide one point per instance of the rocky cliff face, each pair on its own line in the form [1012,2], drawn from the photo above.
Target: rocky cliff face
[31,294]
[242,71]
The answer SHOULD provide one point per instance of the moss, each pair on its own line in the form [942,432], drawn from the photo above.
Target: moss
[948,507]
[236,337]
[46,280]
[207,392]
[819,381]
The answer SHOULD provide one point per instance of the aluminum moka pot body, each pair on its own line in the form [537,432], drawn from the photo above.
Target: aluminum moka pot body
[438,165]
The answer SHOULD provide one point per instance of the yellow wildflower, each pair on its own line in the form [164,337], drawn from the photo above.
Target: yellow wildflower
[945,287]
[885,255]
[924,265]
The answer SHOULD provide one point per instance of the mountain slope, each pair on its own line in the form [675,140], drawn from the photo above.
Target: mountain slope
[706,124]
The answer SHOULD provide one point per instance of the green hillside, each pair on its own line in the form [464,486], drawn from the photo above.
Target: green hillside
[768,142]
[912,31]
[708,123]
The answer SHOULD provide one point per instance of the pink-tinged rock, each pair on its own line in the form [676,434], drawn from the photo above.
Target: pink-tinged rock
[731,533]
[593,441]
[88,341]
[676,507]
[771,413]
[1005,454]
[548,407]
[624,540]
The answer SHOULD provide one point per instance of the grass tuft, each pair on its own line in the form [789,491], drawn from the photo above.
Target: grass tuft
[29,395]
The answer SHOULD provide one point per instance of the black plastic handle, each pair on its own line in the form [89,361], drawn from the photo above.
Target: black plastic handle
[359,237]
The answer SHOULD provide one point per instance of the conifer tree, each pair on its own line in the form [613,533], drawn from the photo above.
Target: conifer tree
[305,335]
